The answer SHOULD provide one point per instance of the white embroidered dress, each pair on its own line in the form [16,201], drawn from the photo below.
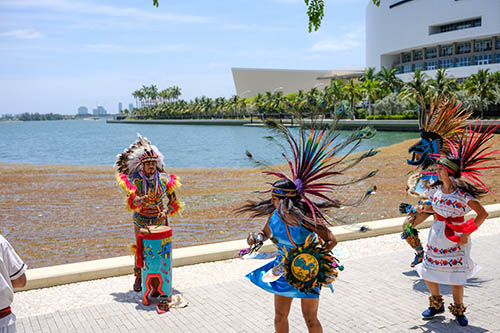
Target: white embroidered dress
[447,262]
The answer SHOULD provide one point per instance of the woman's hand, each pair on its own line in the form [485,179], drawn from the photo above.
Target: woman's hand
[464,238]
[330,244]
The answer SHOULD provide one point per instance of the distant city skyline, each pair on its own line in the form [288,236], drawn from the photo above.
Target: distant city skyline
[58,54]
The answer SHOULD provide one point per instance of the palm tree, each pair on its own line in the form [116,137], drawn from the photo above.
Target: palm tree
[352,92]
[371,89]
[417,88]
[389,83]
[442,84]
[369,74]
[482,86]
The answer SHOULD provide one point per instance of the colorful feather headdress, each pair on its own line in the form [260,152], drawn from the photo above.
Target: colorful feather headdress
[444,119]
[141,151]
[471,149]
[314,161]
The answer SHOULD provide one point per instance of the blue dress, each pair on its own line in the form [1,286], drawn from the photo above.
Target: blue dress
[281,286]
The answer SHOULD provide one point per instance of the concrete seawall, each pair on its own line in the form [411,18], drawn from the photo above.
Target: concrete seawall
[381,125]
[104,268]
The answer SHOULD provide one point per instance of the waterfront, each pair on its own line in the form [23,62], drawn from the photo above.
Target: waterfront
[55,213]
[62,214]
[80,142]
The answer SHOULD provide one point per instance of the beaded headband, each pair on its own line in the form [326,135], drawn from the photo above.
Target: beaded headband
[284,192]
[149,156]
[452,166]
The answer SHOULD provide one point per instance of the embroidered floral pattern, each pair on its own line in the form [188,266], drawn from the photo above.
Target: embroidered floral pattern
[443,251]
[444,262]
[453,203]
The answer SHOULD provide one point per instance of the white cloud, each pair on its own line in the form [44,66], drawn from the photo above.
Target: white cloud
[22,34]
[159,48]
[350,40]
[105,10]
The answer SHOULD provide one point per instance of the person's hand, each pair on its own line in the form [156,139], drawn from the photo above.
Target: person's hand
[464,238]
[329,245]
[410,218]
[420,209]
[251,239]
[162,216]
[144,199]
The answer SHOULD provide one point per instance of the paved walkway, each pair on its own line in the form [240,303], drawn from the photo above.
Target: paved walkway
[377,291]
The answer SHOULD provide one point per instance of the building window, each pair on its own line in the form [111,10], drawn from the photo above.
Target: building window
[407,68]
[430,65]
[418,55]
[421,65]
[463,47]
[431,52]
[446,63]
[497,44]
[497,59]
[463,61]
[406,57]
[483,45]
[467,24]
[446,50]
[484,59]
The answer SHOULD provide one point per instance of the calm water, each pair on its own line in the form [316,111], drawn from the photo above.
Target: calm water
[84,142]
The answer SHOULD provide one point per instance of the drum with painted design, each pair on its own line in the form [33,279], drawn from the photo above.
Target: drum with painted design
[154,257]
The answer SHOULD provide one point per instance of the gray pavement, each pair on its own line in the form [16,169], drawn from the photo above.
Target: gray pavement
[377,292]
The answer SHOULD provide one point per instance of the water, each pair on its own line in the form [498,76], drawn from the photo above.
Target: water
[84,142]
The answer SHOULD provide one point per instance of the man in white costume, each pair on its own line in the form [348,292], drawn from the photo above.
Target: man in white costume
[12,275]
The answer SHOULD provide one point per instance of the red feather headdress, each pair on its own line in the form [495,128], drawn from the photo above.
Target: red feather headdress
[313,161]
[472,150]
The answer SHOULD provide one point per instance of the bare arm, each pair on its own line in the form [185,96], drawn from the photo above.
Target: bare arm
[482,214]
[327,236]
[266,231]
[20,282]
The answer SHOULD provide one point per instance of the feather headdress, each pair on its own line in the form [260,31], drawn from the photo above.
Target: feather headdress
[132,158]
[470,150]
[444,119]
[319,153]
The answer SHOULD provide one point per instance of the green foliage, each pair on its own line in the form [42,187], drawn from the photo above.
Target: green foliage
[392,117]
[37,116]
[390,105]
[316,12]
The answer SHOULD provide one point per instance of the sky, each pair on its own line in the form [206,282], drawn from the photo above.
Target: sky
[57,55]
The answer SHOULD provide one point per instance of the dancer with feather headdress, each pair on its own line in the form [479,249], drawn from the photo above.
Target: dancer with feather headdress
[140,172]
[440,123]
[447,256]
[304,263]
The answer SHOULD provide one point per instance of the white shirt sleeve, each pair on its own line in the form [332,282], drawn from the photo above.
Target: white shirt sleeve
[14,265]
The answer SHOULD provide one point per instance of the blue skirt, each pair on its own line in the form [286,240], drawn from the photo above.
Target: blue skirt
[280,286]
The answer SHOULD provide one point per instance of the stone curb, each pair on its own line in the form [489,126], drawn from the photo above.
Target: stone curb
[104,268]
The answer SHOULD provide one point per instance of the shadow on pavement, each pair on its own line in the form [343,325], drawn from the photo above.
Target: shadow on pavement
[136,298]
[441,324]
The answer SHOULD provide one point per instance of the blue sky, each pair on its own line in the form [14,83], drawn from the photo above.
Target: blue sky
[56,55]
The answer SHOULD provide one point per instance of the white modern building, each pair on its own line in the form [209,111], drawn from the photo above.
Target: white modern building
[460,35]
[252,81]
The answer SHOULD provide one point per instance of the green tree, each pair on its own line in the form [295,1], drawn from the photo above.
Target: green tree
[315,11]
[482,86]
[442,84]
[370,89]
[353,94]
[389,83]
[417,88]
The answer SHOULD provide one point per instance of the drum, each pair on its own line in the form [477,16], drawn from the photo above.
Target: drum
[154,257]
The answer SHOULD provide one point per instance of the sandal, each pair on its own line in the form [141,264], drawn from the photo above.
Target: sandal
[418,259]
